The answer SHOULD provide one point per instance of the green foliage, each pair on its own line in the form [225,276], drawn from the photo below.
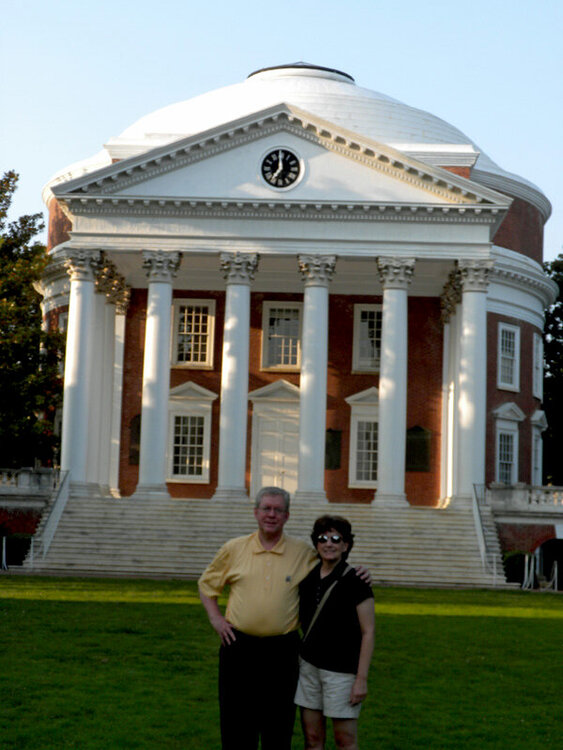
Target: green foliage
[29,376]
[119,664]
[553,384]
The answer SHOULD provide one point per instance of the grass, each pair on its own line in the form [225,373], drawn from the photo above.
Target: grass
[113,664]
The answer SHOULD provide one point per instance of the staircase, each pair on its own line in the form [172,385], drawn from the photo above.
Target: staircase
[177,538]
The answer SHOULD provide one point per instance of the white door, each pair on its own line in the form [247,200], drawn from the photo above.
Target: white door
[277,444]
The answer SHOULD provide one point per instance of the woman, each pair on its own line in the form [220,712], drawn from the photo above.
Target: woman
[338,639]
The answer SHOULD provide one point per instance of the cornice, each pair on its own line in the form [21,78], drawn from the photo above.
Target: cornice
[451,188]
[102,205]
[515,188]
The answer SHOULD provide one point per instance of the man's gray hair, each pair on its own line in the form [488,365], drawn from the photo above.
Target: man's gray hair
[273,491]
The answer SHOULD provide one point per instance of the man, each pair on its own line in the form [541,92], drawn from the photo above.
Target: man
[258,665]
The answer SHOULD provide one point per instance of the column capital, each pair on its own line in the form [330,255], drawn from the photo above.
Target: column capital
[239,268]
[474,274]
[111,283]
[81,265]
[395,273]
[161,265]
[451,295]
[317,270]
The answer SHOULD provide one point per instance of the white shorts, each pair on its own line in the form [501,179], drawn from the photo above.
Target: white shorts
[326,691]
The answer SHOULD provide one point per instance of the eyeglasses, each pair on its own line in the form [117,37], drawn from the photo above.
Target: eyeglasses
[272,509]
[334,538]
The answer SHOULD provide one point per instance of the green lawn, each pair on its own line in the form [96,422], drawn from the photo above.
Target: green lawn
[111,664]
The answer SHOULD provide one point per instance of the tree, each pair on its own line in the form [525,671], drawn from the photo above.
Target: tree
[553,384]
[30,383]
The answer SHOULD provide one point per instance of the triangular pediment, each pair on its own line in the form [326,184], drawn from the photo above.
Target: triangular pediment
[280,390]
[191,391]
[510,411]
[369,397]
[221,169]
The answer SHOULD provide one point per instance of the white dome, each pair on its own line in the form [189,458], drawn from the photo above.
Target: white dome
[331,95]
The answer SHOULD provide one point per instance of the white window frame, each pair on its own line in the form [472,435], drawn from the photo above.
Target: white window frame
[514,383]
[364,408]
[537,374]
[267,306]
[210,305]
[508,418]
[190,400]
[539,424]
[360,364]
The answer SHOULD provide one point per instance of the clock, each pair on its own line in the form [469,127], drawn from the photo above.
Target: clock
[280,168]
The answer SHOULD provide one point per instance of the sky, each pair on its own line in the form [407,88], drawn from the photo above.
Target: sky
[75,73]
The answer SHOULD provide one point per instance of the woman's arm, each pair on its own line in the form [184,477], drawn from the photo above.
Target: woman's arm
[366,616]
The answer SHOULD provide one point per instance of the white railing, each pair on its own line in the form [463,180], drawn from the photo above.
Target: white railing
[41,542]
[488,557]
[526,497]
[28,481]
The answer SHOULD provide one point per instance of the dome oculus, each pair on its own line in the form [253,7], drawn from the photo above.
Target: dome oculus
[280,168]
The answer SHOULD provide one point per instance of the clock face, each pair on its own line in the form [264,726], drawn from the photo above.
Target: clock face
[280,168]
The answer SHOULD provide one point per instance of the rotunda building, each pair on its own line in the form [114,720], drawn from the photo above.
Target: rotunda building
[296,281]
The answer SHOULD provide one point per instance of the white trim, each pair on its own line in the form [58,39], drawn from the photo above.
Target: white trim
[266,307]
[179,302]
[508,416]
[514,383]
[364,408]
[537,366]
[187,400]
[359,365]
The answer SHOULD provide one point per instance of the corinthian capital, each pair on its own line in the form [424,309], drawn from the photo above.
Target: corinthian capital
[395,273]
[451,296]
[81,265]
[160,265]
[317,270]
[239,268]
[474,274]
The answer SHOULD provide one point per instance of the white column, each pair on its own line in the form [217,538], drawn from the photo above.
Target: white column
[395,275]
[95,391]
[78,366]
[238,270]
[117,392]
[317,272]
[472,392]
[161,269]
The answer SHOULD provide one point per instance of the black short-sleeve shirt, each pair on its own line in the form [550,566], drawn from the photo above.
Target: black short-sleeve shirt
[335,638]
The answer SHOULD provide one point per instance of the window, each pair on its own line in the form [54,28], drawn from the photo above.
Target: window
[193,330]
[537,379]
[367,338]
[281,335]
[508,416]
[189,433]
[539,424]
[508,376]
[362,464]
[506,457]
[188,446]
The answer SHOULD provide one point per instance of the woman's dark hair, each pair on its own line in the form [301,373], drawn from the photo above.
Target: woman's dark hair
[338,523]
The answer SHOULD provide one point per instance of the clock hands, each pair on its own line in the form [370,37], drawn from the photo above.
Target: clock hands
[280,165]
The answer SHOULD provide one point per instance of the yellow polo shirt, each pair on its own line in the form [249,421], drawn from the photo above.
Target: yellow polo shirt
[264,597]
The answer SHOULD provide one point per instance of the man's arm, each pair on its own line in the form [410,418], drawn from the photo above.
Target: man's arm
[366,616]
[223,628]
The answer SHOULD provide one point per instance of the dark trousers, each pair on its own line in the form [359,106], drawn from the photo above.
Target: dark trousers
[257,681]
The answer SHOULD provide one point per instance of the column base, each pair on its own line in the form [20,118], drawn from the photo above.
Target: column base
[389,500]
[236,494]
[309,497]
[151,492]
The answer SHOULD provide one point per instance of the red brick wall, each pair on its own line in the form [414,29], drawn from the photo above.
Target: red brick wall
[59,225]
[424,387]
[523,398]
[522,230]
[524,537]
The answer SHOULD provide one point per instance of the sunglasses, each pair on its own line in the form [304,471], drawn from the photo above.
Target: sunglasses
[334,538]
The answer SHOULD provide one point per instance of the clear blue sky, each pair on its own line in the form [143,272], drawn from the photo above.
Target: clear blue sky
[76,73]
